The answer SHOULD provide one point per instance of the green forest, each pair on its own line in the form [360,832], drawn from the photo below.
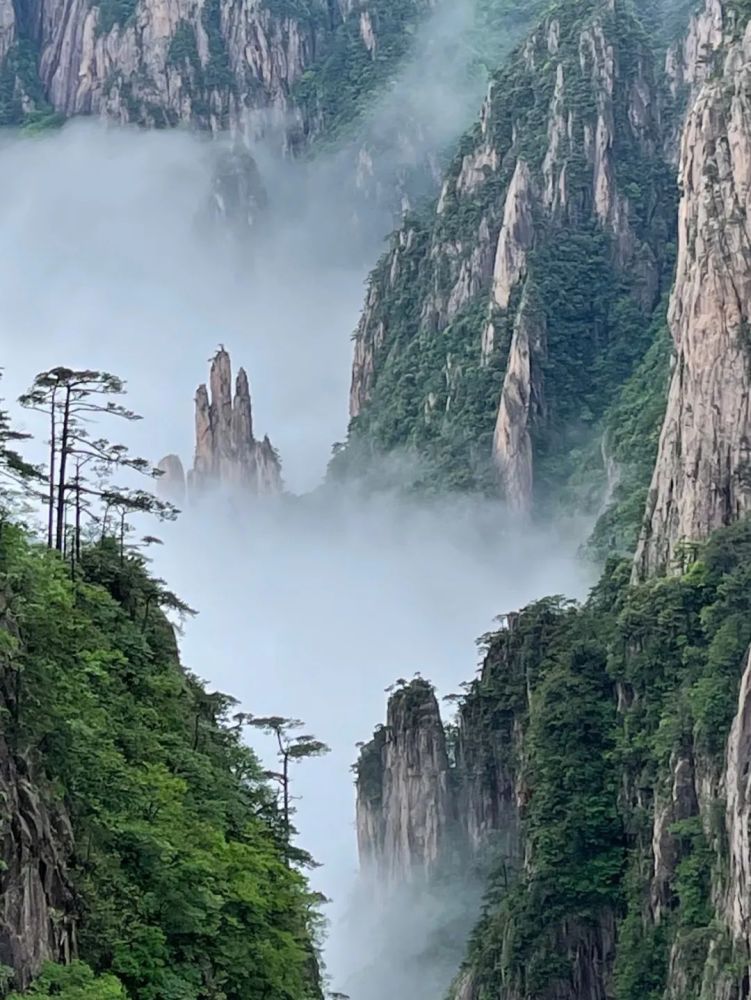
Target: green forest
[578,281]
[169,867]
[612,697]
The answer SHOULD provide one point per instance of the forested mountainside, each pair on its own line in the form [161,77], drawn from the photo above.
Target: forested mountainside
[159,64]
[505,320]
[566,324]
[311,66]
[144,852]
[600,761]
[601,756]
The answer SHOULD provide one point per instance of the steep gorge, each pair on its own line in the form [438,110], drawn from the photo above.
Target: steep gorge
[597,773]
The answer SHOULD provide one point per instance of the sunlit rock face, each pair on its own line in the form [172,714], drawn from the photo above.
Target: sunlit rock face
[702,479]
[227,455]
[167,61]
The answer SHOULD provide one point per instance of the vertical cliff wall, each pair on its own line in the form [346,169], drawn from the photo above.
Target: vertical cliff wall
[37,902]
[406,804]
[702,479]
[296,69]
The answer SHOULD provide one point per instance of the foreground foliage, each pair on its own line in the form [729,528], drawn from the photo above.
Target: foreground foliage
[179,865]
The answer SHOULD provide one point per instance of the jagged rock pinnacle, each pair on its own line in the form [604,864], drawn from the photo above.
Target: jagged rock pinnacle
[226,452]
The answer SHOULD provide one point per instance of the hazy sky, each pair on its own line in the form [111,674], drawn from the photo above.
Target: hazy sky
[103,267]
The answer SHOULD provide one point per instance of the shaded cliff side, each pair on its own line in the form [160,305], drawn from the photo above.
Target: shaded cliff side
[37,901]
[406,807]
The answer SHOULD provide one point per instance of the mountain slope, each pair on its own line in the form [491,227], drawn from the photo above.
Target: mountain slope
[547,253]
[598,772]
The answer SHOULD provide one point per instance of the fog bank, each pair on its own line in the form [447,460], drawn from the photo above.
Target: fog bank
[310,608]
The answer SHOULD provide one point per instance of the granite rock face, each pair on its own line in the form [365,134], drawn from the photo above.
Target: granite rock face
[522,184]
[406,811]
[702,479]
[162,62]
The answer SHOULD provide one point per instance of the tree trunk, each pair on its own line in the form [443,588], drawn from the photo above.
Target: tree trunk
[51,500]
[285,787]
[64,444]
[78,513]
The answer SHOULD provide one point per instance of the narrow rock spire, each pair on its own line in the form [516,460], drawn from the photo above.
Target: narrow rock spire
[226,453]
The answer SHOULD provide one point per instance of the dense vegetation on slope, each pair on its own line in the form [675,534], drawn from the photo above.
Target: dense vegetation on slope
[670,654]
[351,76]
[425,379]
[178,867]
[22,98]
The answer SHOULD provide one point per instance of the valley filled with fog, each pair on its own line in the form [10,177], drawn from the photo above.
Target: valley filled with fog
[309,605]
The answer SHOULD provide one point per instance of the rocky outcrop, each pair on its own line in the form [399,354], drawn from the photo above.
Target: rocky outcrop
[36,898]
[421,810]
[37,904]
[522,406]
[516,237]
[171,483]
[227,455]
[156,62]
[702,479]
[471,808]
[406,812]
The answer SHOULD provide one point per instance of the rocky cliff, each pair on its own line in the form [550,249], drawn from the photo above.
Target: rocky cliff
[602,755]
[598,769]
[547,251]
[227,454]
[37,902]
[702,479]
[295,70]
[208,63]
